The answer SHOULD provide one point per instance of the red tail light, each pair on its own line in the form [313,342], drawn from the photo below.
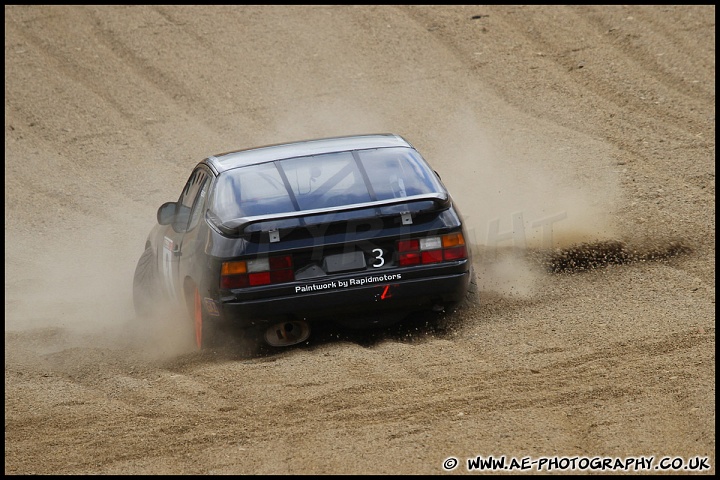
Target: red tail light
[423,251]
[259,271]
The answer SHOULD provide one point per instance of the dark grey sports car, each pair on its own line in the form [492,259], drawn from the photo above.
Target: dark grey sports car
[358,230]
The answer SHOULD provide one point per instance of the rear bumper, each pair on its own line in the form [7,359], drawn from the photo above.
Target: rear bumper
[345,299]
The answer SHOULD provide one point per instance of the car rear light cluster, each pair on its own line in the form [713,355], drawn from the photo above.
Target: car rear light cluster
[422,251]
[259,271]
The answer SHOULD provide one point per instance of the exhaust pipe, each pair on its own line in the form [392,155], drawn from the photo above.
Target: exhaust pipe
[287,333]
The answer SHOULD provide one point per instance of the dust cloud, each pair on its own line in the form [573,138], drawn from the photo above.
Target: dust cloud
[513,202]
[78,290]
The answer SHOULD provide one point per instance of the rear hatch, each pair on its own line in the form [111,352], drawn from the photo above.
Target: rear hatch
[335,215]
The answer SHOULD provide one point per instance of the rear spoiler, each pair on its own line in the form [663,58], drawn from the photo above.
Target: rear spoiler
[237,226]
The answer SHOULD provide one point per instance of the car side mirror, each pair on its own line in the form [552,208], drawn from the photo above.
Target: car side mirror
[166,213]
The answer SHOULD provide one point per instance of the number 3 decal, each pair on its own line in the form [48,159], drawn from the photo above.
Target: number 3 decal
[379,260]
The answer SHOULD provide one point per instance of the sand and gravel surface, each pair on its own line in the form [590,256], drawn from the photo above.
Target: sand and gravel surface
[579,143]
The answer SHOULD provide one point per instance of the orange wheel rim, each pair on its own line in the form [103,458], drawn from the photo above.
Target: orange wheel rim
[198,319]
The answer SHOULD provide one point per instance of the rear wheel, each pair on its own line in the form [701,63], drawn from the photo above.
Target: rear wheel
[145,284]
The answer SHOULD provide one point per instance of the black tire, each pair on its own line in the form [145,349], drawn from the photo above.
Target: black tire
[145,284]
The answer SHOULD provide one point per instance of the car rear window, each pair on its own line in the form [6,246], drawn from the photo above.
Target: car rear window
[398,172]
[327,180]
[322,181]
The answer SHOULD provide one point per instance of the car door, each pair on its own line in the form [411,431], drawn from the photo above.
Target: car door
[187,215]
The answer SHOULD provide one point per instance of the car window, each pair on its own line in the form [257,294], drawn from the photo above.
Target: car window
[199,204]
[196,184]
[325,180]
[189,193]
[250,191]
[321,181]
[398,172]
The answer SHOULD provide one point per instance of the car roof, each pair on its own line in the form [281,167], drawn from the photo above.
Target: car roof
[269,153]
